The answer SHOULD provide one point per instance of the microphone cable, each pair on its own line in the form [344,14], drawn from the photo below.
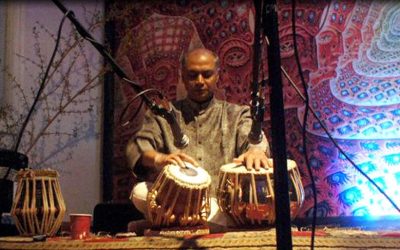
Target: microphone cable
[125,109]
[304,127]
[41,88]
[164,110]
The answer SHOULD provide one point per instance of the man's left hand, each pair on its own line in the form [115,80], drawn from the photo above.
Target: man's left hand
[254,158]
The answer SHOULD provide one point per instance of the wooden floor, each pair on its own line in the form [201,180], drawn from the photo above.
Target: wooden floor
[325,239]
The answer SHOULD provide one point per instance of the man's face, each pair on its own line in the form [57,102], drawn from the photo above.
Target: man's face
[200,75]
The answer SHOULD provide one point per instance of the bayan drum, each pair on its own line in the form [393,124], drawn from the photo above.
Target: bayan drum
[38,206]
[179,197]
[248,196]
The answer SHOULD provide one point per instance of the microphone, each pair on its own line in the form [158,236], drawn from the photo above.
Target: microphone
[255,135]
[180,139]
[165,110]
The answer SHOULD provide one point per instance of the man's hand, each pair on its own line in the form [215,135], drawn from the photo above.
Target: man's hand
[253,158]
[177,158]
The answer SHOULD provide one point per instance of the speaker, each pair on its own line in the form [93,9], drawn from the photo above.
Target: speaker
[10,163]
[114,217]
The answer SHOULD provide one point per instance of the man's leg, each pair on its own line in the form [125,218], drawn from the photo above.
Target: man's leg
[218,221]
[139,196]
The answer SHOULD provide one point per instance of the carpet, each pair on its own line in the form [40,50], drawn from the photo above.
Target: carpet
[325,239]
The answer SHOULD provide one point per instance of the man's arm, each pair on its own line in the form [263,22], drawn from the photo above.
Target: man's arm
[157,160]
[143,150]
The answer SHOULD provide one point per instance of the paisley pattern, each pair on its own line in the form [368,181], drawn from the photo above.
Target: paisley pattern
[350,56]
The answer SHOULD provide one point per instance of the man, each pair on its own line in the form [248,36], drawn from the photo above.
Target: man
[217,131]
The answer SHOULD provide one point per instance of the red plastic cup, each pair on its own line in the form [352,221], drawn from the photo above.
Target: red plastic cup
[80,226]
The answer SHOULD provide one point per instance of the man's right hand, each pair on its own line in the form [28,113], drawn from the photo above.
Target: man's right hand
[160,160]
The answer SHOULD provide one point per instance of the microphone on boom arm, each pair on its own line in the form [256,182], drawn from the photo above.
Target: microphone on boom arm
[257,112]
[257,101]
[180,139]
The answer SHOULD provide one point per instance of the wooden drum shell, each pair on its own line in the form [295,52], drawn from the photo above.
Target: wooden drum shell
[174,201]
[248,196]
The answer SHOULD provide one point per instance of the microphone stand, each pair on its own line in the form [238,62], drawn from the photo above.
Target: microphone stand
[157,109]
[101,49]
[257,98]
[281,186]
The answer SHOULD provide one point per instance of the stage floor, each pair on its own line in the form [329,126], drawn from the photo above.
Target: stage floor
[325,239]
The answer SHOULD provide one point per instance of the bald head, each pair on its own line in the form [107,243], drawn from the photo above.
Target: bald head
[200,53]
[200,74]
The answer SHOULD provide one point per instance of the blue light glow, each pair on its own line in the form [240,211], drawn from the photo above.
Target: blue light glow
[347,113]
[362,95]
[344,93]
[380,181]
[345,130]
[370,146]
[369,131]
[367,167]
[355,89]
[336,179]
[386,125]
[362,122]
[350,196]
[392,159]
[391,92]
[395,112]
[379,116]
[379,97]
[335,119]
[374,90]
[362,211]
[386,85]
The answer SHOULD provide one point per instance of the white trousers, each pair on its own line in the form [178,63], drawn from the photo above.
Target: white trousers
[217,220]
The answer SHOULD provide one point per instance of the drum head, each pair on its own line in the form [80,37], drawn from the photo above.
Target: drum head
[190,175]
[239,168]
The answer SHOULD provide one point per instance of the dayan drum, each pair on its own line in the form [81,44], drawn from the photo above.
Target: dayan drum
[179,197]
[38,206]
[248,196]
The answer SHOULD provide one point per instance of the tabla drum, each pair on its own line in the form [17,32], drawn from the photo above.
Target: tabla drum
[38,206]
[248,196]
[179,197]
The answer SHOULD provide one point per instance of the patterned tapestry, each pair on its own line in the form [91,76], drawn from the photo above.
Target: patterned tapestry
[350,57]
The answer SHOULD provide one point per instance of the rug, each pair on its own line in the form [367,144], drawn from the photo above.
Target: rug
[325,239]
